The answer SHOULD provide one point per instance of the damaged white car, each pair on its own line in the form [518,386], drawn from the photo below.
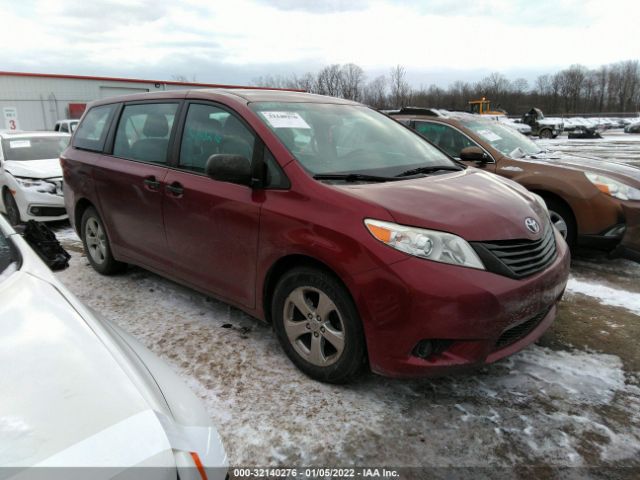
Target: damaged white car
[79,392]
[31,176]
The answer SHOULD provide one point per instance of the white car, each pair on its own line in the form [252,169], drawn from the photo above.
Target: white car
[66,125]
[31,176]
[79,392]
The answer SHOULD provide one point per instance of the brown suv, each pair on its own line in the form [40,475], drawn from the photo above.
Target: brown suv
[592,202]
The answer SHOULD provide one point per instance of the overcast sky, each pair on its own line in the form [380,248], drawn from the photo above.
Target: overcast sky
[235,41]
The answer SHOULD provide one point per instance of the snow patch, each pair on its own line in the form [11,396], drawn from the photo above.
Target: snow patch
[606,295]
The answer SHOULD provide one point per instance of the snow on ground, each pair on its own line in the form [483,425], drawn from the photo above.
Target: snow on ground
[542,406]
[615,145]
[606,295]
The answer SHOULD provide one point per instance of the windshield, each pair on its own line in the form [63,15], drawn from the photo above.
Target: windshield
[34,148]
[503,138]
[343,139]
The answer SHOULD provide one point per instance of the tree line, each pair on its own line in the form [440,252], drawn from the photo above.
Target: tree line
[574,90]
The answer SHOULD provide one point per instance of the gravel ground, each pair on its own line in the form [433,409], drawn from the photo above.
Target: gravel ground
[573,400]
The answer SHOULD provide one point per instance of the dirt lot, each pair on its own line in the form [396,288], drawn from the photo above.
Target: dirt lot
[573,400]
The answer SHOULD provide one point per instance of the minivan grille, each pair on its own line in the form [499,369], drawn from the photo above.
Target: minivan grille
[518,258]
[513,334]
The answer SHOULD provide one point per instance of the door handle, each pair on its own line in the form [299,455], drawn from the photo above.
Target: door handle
[176,189]
[152,183]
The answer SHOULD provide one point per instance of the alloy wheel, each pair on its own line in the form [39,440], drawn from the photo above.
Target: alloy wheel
[314,326]
[96,240]
[559,223]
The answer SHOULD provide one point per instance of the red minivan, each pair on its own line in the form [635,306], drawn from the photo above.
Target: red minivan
[356,238]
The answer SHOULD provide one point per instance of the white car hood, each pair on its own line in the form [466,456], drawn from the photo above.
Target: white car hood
[49,168]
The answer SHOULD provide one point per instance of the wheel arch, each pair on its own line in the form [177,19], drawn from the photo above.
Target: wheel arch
[282,266]
[548,195]
[81,206]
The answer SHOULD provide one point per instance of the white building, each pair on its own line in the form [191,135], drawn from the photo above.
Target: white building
[35,101]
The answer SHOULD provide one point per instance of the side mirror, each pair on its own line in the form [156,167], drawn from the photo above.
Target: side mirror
[473,154]
[229,168]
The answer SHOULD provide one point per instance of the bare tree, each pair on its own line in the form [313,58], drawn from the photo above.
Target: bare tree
[375,92]
[352,81]
[329,81]
[400,90]
[183,78]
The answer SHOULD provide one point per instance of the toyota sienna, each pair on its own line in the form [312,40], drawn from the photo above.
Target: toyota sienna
[362,243]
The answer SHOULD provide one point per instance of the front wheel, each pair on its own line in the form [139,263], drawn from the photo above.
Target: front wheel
[11,207]
[96,244]
[562,218]
[318,325]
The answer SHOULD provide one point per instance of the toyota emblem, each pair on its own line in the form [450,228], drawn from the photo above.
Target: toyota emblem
[532,225]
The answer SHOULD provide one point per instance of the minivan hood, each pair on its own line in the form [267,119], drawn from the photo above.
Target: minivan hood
[473,204]
[49,168]
[617,170]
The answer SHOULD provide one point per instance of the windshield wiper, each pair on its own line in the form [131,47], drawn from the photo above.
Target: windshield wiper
[353,177]
[429,169]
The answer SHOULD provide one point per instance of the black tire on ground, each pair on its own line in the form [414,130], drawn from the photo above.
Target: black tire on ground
[96,244]
[562,210]
[10,207]
[316,285]
[546,133]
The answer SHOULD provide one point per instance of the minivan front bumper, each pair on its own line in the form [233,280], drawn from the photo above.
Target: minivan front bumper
[472,317]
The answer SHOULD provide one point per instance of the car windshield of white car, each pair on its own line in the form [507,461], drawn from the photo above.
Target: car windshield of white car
[34,148]
[8,258]
[347,139]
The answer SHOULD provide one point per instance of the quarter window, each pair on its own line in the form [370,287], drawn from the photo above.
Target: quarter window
[92,131]
[143,132]
[445,137]
[210,130]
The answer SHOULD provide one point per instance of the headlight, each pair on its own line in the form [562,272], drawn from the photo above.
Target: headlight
[613,187]
[37,184]
[432,245]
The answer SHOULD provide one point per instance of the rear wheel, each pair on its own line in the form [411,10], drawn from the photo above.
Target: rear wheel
[318,325]
[563,219]
[11,207]
[96,244]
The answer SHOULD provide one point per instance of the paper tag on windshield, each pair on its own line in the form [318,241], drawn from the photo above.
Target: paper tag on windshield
[489,135]
[285,120]
[19,144]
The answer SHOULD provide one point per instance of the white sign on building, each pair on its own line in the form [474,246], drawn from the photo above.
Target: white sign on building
[11,118]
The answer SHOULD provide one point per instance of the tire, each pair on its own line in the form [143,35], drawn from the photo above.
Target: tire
[545,133]
[96,244]
[563,219]
[11,207]
[326,343]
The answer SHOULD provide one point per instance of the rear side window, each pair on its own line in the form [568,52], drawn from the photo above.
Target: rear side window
[143,132]
[92,132]
[447,138]
[209,130]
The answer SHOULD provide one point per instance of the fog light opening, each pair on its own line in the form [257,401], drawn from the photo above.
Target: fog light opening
[427,348]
